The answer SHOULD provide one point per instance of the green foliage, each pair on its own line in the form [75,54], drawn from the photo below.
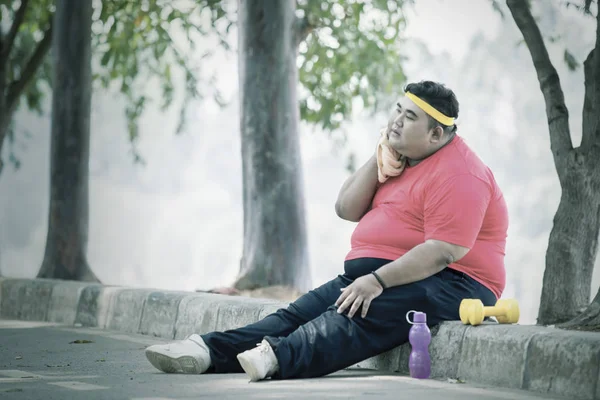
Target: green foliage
[37,19]
[353,52]
[35,23]
[132,44]
[136,44]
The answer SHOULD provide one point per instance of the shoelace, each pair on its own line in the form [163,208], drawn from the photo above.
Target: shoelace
[263,347]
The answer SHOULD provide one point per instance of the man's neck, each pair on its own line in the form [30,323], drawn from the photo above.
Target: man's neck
[413,162]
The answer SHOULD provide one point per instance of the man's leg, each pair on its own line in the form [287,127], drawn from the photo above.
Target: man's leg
[333,341]
[217,351]
[225,346]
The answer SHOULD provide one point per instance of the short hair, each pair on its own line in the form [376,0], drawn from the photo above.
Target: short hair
[439,97]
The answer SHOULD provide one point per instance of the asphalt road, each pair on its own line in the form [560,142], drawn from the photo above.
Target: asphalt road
[43,361]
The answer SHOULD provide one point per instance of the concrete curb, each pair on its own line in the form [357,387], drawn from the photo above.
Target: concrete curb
[540,359]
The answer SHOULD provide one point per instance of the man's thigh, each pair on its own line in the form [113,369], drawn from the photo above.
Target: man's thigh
[388,310]
[438,296]
[317,301]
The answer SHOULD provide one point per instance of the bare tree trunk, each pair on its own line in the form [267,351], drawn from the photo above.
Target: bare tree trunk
[3,133]
[3,110]
[588,320]
[275,243]
[3,105]
[66,244]
[573,242]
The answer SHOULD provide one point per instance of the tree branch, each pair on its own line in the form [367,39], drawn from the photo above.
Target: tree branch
[591,101]
[302,28]
[14,29]
[556,110]
[16,88]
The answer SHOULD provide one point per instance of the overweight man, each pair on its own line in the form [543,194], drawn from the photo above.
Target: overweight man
[431,231]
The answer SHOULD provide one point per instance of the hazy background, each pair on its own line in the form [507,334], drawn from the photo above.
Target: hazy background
[176,223]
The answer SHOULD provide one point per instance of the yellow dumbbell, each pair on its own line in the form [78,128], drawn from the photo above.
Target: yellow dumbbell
[473,312]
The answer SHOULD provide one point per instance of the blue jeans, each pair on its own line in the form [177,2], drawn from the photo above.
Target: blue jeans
[310,339]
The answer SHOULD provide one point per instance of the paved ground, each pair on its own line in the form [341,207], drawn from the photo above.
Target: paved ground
[41,361]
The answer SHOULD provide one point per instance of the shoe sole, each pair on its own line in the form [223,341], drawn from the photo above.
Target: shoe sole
[183,364]
[249,368]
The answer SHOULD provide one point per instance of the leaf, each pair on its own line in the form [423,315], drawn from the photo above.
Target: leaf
[554,39]
[496,6]
[106,57]
[81,341]
[571,61]
[12,158]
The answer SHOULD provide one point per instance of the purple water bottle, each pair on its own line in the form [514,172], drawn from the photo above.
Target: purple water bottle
[419,362]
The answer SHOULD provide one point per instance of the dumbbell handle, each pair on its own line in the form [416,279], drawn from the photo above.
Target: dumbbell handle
[493,311]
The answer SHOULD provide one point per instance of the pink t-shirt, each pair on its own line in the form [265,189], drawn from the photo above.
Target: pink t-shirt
[451,196]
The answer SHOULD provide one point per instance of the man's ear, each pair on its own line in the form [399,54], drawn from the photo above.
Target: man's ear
[437,133]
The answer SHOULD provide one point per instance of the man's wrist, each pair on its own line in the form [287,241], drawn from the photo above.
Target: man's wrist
[381,282]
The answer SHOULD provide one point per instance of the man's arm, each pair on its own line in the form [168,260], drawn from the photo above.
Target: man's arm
[356,194]
[421,262]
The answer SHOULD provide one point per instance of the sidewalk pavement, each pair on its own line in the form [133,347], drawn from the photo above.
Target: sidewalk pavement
[539,359]
[39,362]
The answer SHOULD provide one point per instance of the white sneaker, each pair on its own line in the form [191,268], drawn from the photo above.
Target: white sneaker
[260,362]
[189,356]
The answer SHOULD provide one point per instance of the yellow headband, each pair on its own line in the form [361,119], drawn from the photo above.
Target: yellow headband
[435,114]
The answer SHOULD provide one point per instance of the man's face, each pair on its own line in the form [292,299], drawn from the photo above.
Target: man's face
[408,130]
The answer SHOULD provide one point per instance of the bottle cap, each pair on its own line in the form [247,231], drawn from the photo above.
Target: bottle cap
[418,317]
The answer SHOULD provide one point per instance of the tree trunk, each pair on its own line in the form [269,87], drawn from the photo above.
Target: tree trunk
[573,242]
[588,320]
[3,132]
[275,244]
[3,105]
[3,112]
[66,244]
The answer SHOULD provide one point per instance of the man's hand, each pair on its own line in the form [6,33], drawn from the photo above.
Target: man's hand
[360,292]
